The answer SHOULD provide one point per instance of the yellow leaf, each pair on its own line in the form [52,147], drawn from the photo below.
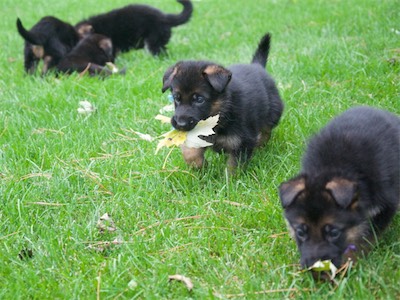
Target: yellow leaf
[172,138]
[322,266]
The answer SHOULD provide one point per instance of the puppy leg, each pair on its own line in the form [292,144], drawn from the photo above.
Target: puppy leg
[193,156]
[156,42]
[239,158]
[264,136]
[31,61]
[47,62]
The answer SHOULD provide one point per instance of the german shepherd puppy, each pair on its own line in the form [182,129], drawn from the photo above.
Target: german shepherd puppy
[49,40]
[92,54]
[136,26]
[244,95]
[349,186]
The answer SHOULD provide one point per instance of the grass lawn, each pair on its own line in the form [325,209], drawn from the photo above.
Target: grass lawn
[61,171]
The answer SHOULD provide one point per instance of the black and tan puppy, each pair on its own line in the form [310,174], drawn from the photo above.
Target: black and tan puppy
[349,187]
[136,26]
[92,54]
[244,96]
[49,40]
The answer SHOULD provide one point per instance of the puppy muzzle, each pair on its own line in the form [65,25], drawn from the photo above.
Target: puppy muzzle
[184,123]
[312,254]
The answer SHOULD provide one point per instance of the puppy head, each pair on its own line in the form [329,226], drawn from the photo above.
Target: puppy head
[197,88]
[323,217]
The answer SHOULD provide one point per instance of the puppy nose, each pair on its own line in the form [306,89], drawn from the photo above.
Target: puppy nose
[183,123]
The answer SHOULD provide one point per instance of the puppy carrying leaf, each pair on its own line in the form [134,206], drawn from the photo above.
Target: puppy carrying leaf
[190,139]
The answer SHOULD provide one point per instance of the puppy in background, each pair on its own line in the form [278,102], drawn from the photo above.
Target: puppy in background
[244,95]
[136,26]
[349,187]
[49,40]
[91,54]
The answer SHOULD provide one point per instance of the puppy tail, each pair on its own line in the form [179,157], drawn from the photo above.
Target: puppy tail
[183,17]
[261,55]
[28,36]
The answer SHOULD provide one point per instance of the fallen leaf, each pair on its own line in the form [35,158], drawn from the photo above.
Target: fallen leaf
[105,223]
[163,119]
[183,279]
[113,68]
[132,284]
[102,246]
[144,136]
[86,107]
[167,108]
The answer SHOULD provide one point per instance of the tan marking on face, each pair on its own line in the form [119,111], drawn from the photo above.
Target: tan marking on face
[193,156]
[38,51]
[216,107]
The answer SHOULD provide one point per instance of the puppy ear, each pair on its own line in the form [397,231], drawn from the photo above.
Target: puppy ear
[218,77]
[288,191]
[107,47]
[343,191]
[85,29]
[168,77]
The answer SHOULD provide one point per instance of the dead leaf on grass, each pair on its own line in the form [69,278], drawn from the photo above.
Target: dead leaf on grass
[182,279]
[103,246]
[106,224]
[86,108]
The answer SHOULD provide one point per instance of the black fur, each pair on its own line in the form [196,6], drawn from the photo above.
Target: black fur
[136,26]
[244,96]
[50,39]
[91,54]
[348,188]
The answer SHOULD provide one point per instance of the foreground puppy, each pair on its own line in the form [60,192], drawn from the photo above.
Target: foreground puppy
[50,39]
[348,188]
[136,26]
[92,54]
[244,96]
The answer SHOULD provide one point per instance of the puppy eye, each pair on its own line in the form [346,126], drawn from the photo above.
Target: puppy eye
[177,98]
[301,232]
[199,99]
[332,233]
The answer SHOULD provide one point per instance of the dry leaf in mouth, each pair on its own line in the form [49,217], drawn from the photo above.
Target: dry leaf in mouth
[190,139]
[182,279]
[324,266]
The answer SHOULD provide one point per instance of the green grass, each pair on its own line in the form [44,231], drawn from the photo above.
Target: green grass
[60,171]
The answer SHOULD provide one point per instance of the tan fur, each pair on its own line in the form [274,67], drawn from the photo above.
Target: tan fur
[193,156]
[213,69]
[216,108]
[38,51]
[85,30]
